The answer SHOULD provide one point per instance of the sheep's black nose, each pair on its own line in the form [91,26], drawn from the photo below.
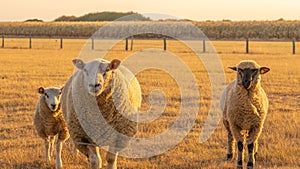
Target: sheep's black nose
[53,105]
[246,83]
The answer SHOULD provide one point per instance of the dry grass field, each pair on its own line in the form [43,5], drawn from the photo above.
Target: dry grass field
[22,70]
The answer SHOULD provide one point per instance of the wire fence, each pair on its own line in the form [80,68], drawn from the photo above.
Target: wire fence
[30,42]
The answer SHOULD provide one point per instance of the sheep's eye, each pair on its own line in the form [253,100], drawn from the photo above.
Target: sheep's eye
[254,71]
[240,71]
[47,96]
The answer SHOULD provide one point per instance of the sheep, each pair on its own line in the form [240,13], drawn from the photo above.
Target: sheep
[115,92]
[49,122]
[244,104]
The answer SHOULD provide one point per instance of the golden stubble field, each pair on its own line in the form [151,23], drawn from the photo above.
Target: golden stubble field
[22,70]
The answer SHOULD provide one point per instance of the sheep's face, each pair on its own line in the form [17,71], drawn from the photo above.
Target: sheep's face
[248,73]
[52,96]
[96,73]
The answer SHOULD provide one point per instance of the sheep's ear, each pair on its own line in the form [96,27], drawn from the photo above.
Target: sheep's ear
[233,68]
[114,64]
[78,63]
[264,70]
[40,90]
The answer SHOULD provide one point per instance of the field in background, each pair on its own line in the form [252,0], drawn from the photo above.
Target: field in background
[218,30]
[23,70]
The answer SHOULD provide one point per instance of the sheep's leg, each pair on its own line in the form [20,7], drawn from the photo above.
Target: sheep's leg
[58,153]
[47,148]
[236,131]
[255,149]
[251,156]
[240,154]
[230,141]
[252,145]
[111,159]
[94,157]
[52,140]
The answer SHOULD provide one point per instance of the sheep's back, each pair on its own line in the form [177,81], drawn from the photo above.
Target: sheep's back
[134,88]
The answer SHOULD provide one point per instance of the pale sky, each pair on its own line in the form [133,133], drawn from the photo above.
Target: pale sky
[48,10]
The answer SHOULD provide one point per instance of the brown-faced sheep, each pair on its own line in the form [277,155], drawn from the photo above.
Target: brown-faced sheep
[49,122]
[244,104]
[101,89]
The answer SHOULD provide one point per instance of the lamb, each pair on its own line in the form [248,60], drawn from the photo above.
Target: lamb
[244,104]
[110,91]
[49,122]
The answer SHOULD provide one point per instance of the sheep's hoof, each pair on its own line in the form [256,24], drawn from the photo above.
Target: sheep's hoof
[250,165]
[240,164]
[229,156]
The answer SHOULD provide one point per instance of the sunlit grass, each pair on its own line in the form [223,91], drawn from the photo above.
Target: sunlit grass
[23,70]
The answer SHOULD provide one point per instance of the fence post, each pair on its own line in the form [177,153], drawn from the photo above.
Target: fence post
[126,44]
[165,44]
[131,43]
[247,45]
[92,43]
[294,47]
[30,46]
[204,46]
[2,40]
[61,42]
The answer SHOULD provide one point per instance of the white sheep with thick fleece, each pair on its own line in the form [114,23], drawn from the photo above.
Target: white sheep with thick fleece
[104,87]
